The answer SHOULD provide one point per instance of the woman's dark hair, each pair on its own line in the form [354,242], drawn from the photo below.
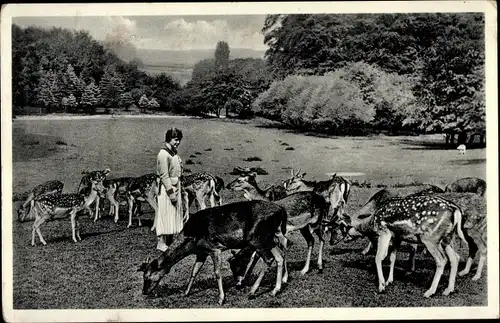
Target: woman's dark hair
[173,133]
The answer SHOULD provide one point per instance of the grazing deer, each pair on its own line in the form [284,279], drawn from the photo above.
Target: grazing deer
[335,191]
[46,188]
[113,188]
[426,219]
[59,206]
[467,184]
[306,213]
[143,188]
[474,227]
[85,186]
[249,226]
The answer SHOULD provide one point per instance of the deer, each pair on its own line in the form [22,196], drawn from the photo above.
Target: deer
[467,184]
[59,206]
[427,219]
[45,188]
[85,186]
[306,213]
[198,186]
[247,225]
[143,188]
[113,188]
[359,222]
[335,191]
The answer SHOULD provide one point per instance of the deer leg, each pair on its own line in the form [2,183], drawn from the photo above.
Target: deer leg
[201,202]
[250,266]
[437,252]
[97,216]
[258,280]
[473,248]
[306,233]
[73,224]
[130,209]
[412,257]
[278,256]
[454,258]
[382,247]
[36,228]
[212,199]
[367,249]
[482,256]
[320,250]
[77,227]
[392,257]
[200,260]
[216,257]
[284,243]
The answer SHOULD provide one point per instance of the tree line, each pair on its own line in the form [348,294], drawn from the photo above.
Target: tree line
[330,73]
[69,71]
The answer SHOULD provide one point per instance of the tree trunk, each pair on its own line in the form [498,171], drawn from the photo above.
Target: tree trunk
[481,138]
[447,138]
[452,138]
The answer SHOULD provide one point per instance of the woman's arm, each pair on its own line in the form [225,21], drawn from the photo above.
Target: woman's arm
[163,169]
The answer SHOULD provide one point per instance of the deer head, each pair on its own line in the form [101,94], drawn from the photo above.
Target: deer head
[152,274]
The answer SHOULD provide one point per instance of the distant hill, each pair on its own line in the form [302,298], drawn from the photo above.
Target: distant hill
[179,64]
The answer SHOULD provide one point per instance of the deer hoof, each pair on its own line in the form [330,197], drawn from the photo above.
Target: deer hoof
[304,271]
[320,270]
[428,294]
[447,291]
[221,301]
[463,273]
[381,288]
[476,277]
[275,292]
[389,281]
[129,225]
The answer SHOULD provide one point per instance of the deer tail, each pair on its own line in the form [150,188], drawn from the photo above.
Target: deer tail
[457,223]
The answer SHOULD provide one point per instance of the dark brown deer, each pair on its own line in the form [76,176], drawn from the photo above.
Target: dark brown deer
[46,188]
[59,206]
[426,219]
[474,227]
[335,191]
[467,185]
[248,226]
[306,213]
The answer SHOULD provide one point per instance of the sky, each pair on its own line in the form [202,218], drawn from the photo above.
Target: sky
[165,32]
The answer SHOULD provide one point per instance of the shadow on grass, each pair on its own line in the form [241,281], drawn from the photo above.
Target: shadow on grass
[465,162]
[434,145]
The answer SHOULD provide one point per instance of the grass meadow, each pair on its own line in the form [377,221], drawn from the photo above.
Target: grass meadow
[100,271]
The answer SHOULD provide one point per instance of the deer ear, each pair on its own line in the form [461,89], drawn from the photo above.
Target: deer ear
[107,171]
[302,175]
[252,174]
[85,172]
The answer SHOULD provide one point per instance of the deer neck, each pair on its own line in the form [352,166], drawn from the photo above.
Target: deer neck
[254,192]
[181,248]
[91,197]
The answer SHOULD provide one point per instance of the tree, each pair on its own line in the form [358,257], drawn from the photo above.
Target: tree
[153,104]
[143,103]
[111,86]
[69,103]
[91,97]
[202,70]
[126,100]
[72,84]
[49,92]
[222,56]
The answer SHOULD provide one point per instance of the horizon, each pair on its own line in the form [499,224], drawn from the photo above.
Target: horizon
[165,33]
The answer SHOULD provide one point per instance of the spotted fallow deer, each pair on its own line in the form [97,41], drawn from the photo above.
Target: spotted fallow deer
[427,219]
[141,189]
[85,187]
[46,188]
[248,226]
[115,187]
[306,212]
[59,206]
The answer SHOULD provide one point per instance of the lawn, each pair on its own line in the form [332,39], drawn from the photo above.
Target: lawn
[100,272]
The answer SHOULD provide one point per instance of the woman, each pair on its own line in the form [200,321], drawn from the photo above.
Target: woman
[169,217]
